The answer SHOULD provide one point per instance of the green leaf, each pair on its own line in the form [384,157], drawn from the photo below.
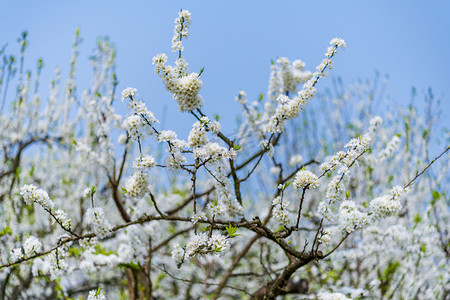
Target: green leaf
[261,96]
[417,219]
[237,147]
[423,247]
[205,228]
[232,231]
[124,190]
[76,252]
[6,230]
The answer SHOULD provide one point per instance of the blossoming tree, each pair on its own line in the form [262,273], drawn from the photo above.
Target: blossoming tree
[280,209]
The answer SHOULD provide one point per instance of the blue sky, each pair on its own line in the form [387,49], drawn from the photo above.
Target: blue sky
[236,40]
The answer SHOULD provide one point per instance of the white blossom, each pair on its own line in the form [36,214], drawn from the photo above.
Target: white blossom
[128,93]
[97,219]
[144,163]
[32,245]
[198,216]
[32,194]
[305,178]
[96,295]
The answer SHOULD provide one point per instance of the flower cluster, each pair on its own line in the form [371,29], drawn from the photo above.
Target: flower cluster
[96,295]
[289,108]
[343,160]
[176,157]
[213,152]
[97,219]
[198,135]
[140,108]
[295,160]
[219,244]
[144,162]
[181,29]
[183,86]
[280,212]
[392,146]
[285,77]
[216,208]
[202,244]
[16,254]
[136,185]
[134,125]
[224,191]
[129,92]
[332,296]
[177,254]
[350,218]
[304,179]
[199,216]
[335,189]
[374,124]
[32,194]
[32,245]
[387,204]
[61,217]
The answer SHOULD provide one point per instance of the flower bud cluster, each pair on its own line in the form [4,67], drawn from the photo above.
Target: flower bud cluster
[267,146]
